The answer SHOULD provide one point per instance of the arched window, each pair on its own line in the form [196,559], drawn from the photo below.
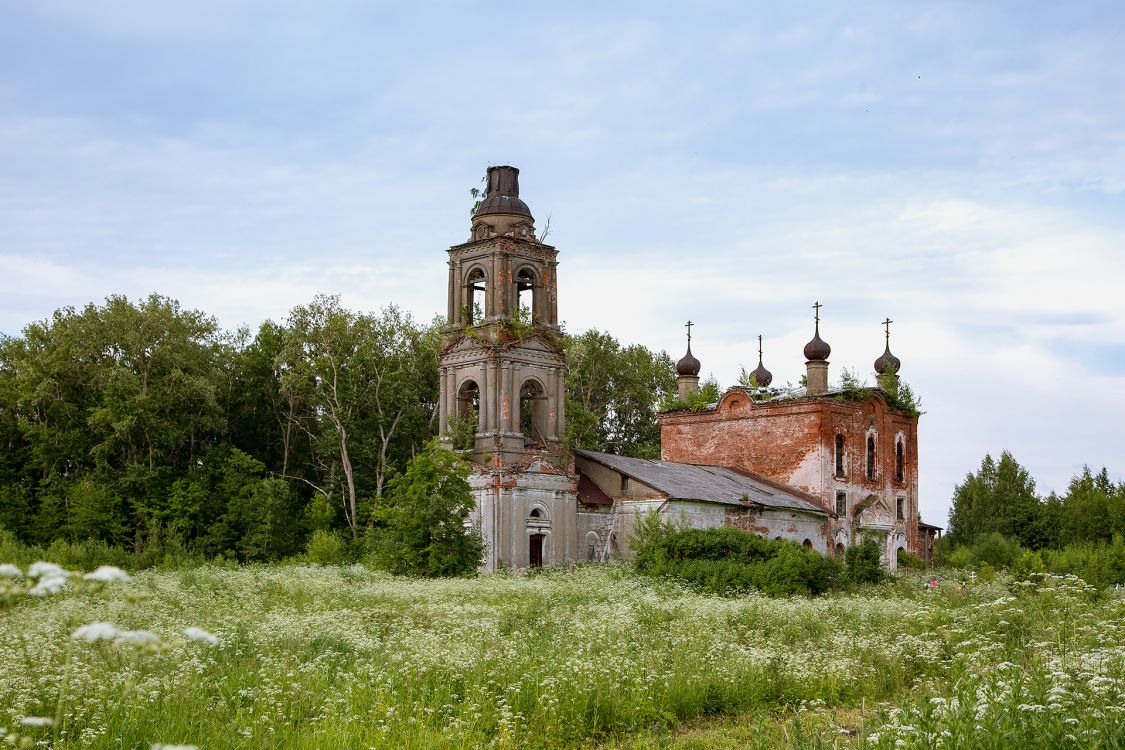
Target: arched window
[870,456]
[839,455]
[533,413]
[841,503]
[900,508]
[807,543]
[536,513]
[525,297]
[468,401]
[839,551]
[477,298]
[900,462]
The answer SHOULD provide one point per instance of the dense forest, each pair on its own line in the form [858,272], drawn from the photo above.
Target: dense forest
[143,424]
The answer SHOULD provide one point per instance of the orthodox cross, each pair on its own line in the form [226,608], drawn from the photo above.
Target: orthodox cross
[759,347]
[887,325]
[688,326]
[817,307]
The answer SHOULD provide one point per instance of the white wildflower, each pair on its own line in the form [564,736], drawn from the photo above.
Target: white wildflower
[49,584]
[138,637]
[7,570]
[40,569]
[36,721]
[107,573]
[201,635]
[95,631]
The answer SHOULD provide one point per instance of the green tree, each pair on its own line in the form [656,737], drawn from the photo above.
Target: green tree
[420,527]
[1000,498]
[613,394]
[1093,508]
[364,391]
[96,512]
[121,395]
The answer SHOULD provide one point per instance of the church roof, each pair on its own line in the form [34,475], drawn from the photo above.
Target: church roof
[714,484]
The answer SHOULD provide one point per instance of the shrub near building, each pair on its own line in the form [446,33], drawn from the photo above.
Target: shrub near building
[724,560]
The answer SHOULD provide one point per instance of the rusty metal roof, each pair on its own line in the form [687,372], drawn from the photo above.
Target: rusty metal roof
[712,484]
[503,194]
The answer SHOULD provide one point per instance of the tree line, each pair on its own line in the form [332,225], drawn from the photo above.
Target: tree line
[998,518]
[136,423]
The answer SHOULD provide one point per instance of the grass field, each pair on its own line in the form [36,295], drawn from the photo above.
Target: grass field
[327,657]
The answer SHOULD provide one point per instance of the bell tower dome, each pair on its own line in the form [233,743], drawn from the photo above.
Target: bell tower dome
[502,362]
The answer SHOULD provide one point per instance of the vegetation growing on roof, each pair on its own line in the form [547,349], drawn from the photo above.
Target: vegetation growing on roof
[708,394]
[900,395]
[896,391]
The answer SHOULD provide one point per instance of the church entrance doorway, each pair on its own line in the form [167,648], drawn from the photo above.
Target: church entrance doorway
[536,556]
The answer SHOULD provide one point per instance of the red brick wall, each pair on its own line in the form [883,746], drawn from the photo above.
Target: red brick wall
[793,442]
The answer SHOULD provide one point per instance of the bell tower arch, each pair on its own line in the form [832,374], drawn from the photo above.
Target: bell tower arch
[502,360]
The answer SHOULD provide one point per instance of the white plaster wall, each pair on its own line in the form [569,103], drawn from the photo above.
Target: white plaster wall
[504,511]
[596,523]
[691,514]
[795,527]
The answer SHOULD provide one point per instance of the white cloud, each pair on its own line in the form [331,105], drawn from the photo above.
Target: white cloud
[957,168]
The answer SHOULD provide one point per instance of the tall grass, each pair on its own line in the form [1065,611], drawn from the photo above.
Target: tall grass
[343,657]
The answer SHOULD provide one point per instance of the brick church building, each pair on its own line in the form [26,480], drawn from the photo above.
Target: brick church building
[817,466]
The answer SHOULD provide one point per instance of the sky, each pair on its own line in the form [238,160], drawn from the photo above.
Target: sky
[958,167]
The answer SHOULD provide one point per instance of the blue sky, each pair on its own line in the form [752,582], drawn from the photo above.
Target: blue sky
[957,167]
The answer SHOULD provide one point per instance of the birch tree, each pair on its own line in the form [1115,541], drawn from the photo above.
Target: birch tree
[366,382]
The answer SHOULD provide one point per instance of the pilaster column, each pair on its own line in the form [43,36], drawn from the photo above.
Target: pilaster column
[486,399]
[458,293]
[552,281]
[506,399]
[451,294]
[517,418]
[560,403]
[443,397]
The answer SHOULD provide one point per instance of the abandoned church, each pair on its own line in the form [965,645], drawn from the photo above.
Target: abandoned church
[805,464]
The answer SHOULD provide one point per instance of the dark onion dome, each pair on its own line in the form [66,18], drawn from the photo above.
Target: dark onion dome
[688,366]
[503,194]
[817,350]
[887,364]
[762,376]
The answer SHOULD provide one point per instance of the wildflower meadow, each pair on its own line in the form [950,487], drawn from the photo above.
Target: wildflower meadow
[306,656]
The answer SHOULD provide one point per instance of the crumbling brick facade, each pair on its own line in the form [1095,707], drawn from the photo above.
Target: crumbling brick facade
[794,441]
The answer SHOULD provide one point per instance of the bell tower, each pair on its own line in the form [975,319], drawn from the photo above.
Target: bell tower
[502,361]
[502,370]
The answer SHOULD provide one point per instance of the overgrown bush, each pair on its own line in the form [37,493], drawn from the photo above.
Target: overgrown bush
[325,548]
[910,561]
[1101,564]
[420,529]
[725,560]
[864,562]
